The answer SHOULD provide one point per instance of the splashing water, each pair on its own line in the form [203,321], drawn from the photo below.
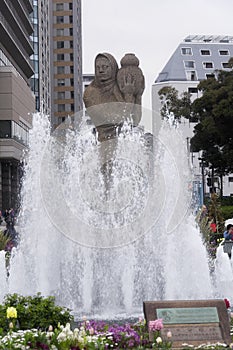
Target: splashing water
[102,248]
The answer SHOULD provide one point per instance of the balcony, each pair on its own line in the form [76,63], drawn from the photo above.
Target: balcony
[15,48]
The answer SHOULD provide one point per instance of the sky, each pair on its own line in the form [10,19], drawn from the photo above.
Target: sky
[151,29]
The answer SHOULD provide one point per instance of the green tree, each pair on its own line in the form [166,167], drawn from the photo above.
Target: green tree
[213,114]
[174,105]
[213,132]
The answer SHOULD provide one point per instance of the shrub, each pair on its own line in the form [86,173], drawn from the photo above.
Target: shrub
[227,212]
[4,239]
[227,201]
[34,312]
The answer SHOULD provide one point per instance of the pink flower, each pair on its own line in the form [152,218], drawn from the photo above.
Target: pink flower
[169,334]
[91,331]
[227,303]
[156,325]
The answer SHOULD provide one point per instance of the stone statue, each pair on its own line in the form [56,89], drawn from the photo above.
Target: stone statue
[110,86]
[131,83]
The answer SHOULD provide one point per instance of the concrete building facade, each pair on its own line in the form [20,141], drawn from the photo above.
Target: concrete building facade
[40,81]
[197,58]
[16,97]
[66,60]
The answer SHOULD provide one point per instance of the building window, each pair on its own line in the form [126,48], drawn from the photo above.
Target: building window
[59,7]
[189,64]
[210,76]
[71,94]
[60,70]
[11,129]
[20,132]
[205,52]
[60,44]
[72,107]
[71,44]
[70,6]
[71,57]
[61,108]
[186,51]
[61,95]
[225,65]
[71,31]
[60,57]
[70,19]
[5,129]
[60,19]
[72,82]
[61,119]
[35,64]
[60,32]
[230,179]
[61,82]
[191,75]
[192,90]
[224,52]
[208,64]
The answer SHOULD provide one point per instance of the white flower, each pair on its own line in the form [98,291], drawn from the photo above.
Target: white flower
[76,332]
[169,334]
[61,337]
[81,340]
[158,340]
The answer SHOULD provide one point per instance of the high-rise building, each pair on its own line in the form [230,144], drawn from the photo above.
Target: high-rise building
[197,58]
[16,97]
[40,81]
[66,60]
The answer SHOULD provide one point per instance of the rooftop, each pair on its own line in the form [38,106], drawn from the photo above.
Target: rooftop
[209,39]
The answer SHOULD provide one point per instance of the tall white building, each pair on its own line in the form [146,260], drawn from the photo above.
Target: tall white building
[195,59]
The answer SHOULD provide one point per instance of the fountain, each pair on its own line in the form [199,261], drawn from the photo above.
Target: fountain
[103,256]
[104,244]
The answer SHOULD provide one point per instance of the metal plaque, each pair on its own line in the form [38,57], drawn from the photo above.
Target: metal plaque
[188,315]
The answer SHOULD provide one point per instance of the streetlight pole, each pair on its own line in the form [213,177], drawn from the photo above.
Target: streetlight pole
[202,178]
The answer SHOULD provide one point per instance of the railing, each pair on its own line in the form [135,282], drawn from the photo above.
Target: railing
[15,40]
[18,19]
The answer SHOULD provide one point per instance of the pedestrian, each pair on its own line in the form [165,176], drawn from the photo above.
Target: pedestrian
[228,242]
[227,234]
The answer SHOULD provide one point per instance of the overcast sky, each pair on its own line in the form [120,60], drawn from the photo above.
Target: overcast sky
[152,29]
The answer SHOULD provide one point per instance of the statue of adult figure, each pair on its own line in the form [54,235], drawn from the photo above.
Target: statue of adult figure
[111,86]
[104,87]
[102,91]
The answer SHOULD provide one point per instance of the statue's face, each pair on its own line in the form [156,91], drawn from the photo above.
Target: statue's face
[103,69]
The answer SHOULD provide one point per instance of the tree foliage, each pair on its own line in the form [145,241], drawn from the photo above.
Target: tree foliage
[174,105]
[213,114]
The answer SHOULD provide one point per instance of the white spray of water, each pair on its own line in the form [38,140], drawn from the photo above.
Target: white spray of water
[3,276]
[103,255]
[223,275]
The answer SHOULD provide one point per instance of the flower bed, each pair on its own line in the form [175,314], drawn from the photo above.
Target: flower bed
[90,335]
[85,335]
